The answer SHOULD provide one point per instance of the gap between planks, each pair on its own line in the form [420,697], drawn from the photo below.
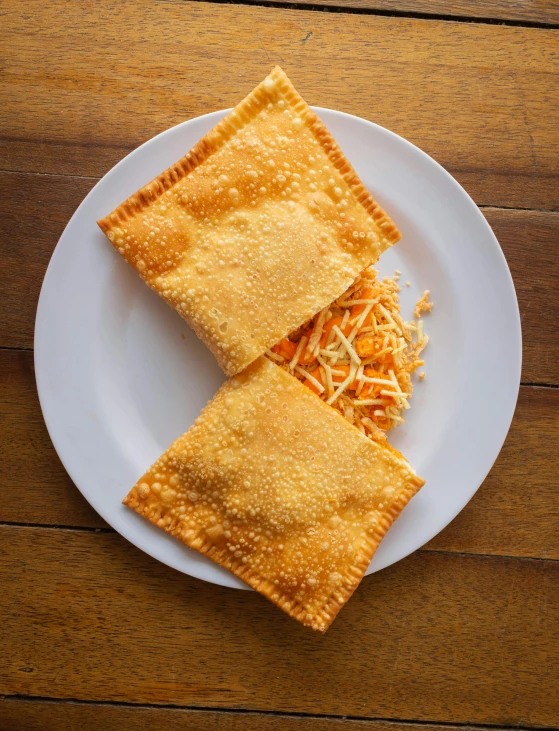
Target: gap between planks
[282,714]
[96,179]
[112,531]
[392,13]
[529,384]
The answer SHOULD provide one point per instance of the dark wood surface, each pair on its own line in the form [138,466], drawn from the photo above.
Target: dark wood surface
[96,635]
[38,715]
[479,98]
[436,636]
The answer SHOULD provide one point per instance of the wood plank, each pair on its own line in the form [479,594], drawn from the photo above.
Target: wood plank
[35,486]
[529,11]
[477,97]
[37,715]
[436,637]
[529,242]
[513,513]
[35,208]
[34,211]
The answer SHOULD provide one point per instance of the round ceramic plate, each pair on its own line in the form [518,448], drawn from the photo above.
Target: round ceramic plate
[120,375]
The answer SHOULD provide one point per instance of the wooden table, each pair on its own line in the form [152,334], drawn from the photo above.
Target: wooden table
[94,634]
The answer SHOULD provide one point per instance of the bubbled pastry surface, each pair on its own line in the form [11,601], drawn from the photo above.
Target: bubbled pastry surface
[277,487]
[258,227]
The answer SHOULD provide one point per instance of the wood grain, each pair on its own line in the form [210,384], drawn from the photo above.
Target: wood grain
[531,11]
[35,486]
[513,513]
[442,637]
[34,210]
[475,96]
[529,241]
[435,637]
[38,715]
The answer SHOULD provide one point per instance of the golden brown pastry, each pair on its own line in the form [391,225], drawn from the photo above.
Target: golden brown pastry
[261,225]
[277,487]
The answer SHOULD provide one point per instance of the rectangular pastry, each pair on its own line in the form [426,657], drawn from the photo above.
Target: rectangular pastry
[276,486]
[260,226]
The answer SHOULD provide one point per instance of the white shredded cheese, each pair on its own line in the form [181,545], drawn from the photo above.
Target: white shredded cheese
[337,372]
[328,371]
[275,356]
[422,344]
[388,317]
[311,378]
[395,394]
[342,387]
[378,381]
[359,322]
[351,352]
[385,328]
[295,359]
[380,353]
[314,340]
[369,423]
[374,322]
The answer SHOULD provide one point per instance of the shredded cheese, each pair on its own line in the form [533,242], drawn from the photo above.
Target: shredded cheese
[302,343]
[341,388]
[275,356]
[423,304]
[378,381]
[395,394]
[314,340]
[328,371]
[364,375]
[389,317]
[311,378]
[352,354]
[358,325]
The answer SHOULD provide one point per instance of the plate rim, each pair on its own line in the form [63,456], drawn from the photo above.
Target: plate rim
[218,114]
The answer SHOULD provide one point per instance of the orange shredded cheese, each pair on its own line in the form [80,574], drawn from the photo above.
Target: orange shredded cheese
[358,354]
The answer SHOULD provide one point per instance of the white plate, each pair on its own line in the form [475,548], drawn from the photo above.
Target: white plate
[120,375]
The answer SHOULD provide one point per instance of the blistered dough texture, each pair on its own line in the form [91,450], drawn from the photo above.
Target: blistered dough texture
[277,487]
[262,224]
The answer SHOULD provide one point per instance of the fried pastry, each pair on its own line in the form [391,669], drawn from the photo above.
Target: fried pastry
[261,225]
[273,484]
